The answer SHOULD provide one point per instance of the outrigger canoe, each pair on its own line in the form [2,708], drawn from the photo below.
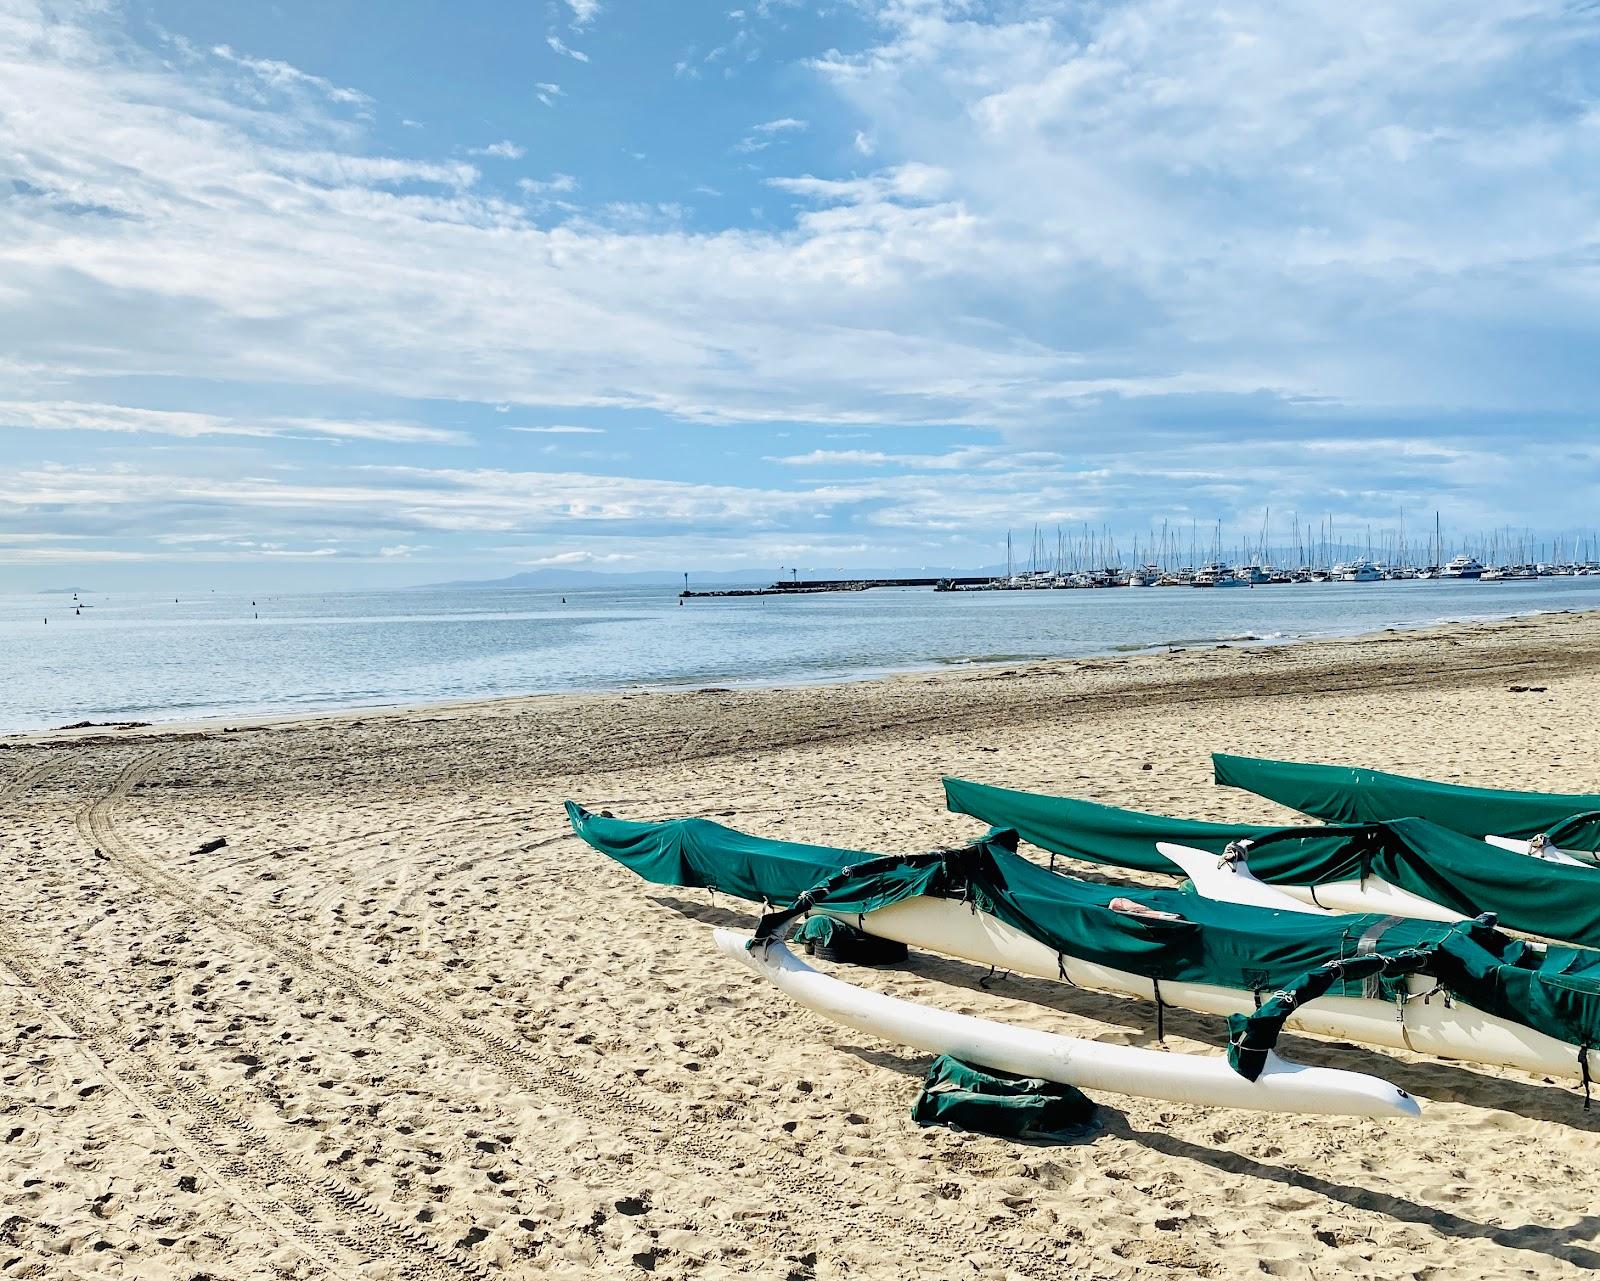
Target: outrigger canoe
[1405,867]
[1461,990]
[1345,794]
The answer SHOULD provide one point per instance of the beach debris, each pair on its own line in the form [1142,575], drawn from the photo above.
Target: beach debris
[1526,689]
[211,846]
[106,725]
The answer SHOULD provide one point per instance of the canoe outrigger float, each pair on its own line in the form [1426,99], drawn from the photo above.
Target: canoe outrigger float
[1461,989]
[1404,867]
[1092,1065]
[1345,794]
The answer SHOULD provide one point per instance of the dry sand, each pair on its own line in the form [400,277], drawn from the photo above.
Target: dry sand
[404,1025]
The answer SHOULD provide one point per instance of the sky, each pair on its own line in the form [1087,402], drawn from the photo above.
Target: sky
[343,293]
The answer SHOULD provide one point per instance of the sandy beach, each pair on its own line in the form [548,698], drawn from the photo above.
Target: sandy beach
[403,1024]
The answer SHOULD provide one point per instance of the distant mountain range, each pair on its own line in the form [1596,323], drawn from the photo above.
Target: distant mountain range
[579,578]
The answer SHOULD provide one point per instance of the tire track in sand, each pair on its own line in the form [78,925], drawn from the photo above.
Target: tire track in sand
[659,1129]
[234,1155]
[29,776]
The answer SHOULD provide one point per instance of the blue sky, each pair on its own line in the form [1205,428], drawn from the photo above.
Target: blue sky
[360,293]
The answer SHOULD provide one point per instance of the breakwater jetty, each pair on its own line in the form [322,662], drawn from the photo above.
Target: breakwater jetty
[810,586]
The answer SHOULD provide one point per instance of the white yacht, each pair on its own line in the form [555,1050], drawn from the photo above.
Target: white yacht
[1358,571]
[1216,574]
[1463,566]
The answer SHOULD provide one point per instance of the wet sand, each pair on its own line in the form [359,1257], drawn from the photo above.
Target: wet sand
[404,1025]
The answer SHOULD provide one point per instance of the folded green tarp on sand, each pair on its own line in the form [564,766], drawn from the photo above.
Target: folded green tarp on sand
[1346,794]
[989,1102]
[1469,876]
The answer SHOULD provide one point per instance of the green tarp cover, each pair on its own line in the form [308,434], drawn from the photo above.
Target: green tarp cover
[1470,876]
[1224,944]
[990,1102]
[705,855]
[1345,794]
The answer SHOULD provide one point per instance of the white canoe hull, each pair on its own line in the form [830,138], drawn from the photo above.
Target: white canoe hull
[1545,852]
[1224,882]
[1448,1029]
[1370,895]
[1090,1065]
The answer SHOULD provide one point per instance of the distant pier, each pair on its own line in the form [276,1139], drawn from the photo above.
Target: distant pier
[811,586]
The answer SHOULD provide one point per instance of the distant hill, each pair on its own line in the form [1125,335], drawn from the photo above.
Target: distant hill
[575,578]
[579,578]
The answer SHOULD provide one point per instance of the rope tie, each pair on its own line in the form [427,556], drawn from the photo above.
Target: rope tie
[1061,969]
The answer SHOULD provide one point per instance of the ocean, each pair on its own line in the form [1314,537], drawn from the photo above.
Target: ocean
[148,658]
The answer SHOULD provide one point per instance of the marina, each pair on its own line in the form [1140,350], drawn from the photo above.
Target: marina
[1091,560]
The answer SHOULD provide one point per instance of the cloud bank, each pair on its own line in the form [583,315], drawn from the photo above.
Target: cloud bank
[1144,257]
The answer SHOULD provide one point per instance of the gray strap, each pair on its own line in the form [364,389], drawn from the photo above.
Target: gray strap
[1367,944]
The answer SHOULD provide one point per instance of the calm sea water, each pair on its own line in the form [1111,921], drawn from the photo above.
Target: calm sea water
[139,657]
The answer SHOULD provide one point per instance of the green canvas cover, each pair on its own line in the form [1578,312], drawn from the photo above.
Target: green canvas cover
[705,855]
[991,1102]
[1178,936]
[1553,900]
[1346,794]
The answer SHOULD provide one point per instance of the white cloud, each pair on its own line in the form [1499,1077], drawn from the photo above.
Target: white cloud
[911,182]
[344,170]
[836,457]
[583,11]
[502,150]
[864,145]
[555,184]
[788,124]
[281,75]
[78,416]
[547,92]
[562,431]
[394,499]
[1123,230]
[566,51]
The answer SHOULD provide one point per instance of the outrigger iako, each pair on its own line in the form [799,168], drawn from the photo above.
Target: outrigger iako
[1461,990]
